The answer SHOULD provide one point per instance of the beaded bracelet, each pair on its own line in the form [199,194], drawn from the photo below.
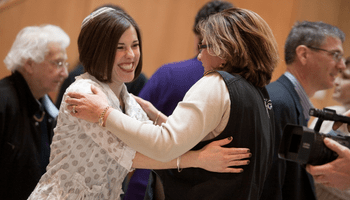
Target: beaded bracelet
[100,120]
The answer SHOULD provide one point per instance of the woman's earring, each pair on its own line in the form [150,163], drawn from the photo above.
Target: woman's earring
[222,65]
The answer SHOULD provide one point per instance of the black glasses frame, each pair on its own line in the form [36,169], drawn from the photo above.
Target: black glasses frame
[337,56]
[202,46]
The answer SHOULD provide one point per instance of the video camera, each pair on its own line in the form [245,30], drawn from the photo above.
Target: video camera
[305,146]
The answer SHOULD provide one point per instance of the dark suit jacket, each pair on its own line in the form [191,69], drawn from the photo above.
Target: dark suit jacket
[23,153]
[287,180]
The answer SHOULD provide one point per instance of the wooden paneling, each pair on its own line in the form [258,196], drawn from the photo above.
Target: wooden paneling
[64,13]
[166,25]
[335,12]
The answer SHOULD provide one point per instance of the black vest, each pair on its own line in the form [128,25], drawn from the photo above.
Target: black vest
[251,126]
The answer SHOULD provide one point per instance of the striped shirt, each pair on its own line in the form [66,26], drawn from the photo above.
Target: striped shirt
[304,99]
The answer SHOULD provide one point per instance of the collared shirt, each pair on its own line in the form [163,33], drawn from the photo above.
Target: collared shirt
[304,99]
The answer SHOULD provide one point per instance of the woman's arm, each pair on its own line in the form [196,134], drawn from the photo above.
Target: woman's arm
[200,113]
[152,112]
[213,157]
[91,106]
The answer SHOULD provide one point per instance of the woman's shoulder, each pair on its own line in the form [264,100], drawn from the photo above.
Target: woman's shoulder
[210,88]
[83,84]
[210,79]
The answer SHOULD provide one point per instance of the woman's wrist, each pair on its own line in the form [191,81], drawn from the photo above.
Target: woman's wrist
[104,115]
[156,120]
[189,159]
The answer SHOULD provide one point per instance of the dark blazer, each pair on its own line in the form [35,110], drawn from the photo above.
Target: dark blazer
[23,155]
[287,180]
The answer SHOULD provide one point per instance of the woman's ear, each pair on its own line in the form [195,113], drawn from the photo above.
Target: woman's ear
[28,66]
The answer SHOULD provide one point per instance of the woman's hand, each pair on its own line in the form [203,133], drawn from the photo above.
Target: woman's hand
[148,107]
[213,157]
[87,106]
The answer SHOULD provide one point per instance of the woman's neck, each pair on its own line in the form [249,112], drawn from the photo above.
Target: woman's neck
[117,87]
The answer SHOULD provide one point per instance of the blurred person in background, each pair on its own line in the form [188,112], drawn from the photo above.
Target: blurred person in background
[342,95]
[313,54]
[37,60]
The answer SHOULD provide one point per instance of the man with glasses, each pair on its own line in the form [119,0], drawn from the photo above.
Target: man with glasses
[38,64]
[314,56]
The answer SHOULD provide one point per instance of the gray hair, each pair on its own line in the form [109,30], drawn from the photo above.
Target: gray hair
[31,43]
[309,34]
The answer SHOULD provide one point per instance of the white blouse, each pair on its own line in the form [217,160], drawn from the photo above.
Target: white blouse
[87,161]
[203,114]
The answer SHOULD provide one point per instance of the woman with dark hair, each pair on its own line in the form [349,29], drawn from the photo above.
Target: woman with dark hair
[239,54]
[89,162]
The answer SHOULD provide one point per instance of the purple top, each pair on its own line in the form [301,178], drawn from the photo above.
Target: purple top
[169,84]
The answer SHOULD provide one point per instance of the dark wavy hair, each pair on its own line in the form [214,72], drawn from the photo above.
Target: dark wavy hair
[98,41]
[245,41]
[208,9]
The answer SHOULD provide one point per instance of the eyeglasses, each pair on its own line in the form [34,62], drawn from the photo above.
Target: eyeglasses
[202,46]
[59,64]
[337,56]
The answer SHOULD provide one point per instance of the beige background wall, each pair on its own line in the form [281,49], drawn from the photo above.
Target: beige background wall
[166,25]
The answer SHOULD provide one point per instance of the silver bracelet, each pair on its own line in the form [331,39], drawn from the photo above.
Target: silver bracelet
[156,121]
[178,164]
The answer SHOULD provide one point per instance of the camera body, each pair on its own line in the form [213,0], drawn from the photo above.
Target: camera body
[305,146]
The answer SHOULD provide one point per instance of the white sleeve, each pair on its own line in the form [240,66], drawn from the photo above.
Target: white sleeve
[198,114]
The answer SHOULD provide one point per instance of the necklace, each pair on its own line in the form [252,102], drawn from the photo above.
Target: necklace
[208,72]
[41,118]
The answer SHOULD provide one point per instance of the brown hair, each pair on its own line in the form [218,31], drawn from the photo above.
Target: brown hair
[245,41]
[98,41]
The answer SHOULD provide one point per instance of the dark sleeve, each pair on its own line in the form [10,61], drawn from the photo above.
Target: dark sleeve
[155,91]
[282,106]
[63,88]
[287,179]
[136,86]
[2,121]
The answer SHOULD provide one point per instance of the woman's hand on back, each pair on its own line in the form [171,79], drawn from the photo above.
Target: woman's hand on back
[216,158]
[148,107]
[87,106]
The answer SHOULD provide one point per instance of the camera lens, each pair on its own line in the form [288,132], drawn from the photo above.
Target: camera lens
[320,154]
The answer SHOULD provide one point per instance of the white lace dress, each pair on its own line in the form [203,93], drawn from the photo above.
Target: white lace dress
[87,161]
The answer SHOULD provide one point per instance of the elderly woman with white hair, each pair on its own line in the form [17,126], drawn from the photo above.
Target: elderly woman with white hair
[38,64]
